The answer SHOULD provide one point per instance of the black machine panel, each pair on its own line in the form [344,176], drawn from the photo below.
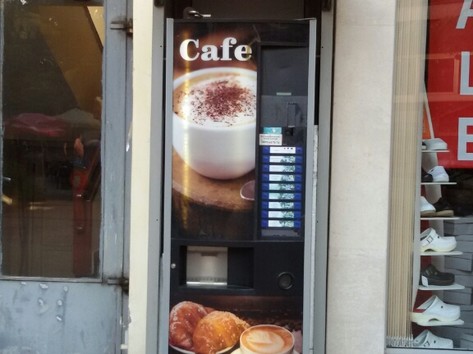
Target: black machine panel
[282,122]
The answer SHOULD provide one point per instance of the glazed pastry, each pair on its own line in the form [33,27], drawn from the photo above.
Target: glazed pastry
[216,331]
[183,319]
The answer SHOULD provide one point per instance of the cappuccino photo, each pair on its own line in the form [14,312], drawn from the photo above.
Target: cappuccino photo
[266,339]
[219,98]
[214,123]
[212,112]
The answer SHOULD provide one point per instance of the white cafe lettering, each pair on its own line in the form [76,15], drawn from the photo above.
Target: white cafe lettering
[210,52]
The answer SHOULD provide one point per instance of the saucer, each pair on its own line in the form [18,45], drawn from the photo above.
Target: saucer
[237,351]
[184,351]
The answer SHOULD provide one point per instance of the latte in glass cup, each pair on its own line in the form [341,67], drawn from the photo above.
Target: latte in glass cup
[214,121]
[266,339]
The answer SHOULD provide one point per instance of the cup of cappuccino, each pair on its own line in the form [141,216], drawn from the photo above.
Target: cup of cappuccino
[214,121]
[266,339]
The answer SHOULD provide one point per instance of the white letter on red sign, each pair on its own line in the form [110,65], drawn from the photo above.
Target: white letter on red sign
[464,138]
[466,12]
[465,88]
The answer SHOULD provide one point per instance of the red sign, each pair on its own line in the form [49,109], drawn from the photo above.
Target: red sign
[449,79]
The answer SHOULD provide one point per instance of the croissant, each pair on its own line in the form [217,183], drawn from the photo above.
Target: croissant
[217,331]
[183,319]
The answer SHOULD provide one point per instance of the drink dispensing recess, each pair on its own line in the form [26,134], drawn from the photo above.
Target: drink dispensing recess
[239,175]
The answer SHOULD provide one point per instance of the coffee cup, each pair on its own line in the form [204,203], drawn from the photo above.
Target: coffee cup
[214,121]
[266,339]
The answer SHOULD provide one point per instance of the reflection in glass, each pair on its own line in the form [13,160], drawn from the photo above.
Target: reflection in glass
[52,95]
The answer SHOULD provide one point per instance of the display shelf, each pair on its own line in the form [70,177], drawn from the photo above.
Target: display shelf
[434,151]
[435,323]
[430,218]
[454,286]
[432,253]
[434,190]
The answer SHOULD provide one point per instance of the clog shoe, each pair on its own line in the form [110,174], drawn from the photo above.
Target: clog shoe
[435,309]
[435,144]
[432,276]
[431,241]
[426,177]
[426,209]
[443,208]
[438,174]
[429,340]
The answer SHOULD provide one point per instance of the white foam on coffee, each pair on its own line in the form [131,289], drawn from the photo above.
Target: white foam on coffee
[232,101]
[264,342]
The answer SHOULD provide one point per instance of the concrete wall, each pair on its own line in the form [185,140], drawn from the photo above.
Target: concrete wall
[148,41]
[363,80]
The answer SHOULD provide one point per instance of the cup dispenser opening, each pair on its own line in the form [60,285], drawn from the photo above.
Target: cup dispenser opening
[216,267]
[206,266]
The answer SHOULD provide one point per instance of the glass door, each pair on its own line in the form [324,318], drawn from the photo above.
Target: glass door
[64,116]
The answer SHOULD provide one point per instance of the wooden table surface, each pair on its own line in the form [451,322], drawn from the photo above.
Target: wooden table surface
[209,208]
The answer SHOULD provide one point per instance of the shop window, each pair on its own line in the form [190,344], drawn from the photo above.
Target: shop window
[430,301]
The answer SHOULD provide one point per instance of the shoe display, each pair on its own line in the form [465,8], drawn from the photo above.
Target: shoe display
[435,309]
[431,241]
[427,339]
[437,285]
[438,174]
[432,276]
[426,209]
[435,144]
[443,208]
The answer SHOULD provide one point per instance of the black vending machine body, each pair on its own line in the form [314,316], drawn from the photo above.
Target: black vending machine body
[238,214]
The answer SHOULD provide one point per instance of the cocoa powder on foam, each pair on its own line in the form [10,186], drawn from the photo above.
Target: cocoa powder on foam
[219,101]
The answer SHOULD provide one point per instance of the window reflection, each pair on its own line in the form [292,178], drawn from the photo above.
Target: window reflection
[52,70]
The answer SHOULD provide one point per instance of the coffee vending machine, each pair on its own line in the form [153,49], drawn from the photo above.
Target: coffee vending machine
[239,215]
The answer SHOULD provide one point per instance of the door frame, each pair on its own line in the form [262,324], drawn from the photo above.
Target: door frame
[146,176]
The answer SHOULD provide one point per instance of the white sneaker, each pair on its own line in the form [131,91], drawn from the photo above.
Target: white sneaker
[431,241]
[435,144]
[435,309]
[439,174]
[429,340]
[426,209]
